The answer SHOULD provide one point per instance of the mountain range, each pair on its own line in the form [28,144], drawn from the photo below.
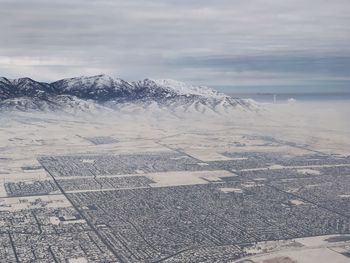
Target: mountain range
[101,92]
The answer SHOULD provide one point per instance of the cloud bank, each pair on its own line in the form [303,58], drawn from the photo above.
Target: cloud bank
[219,43]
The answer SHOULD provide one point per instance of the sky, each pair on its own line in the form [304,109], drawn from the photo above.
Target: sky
[288,45]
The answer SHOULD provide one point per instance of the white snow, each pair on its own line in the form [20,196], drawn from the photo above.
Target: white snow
[188,89]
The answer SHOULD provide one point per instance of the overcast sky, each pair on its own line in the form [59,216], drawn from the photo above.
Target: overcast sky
[292,44]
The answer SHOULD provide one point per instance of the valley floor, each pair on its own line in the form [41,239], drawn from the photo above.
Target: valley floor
[266,187]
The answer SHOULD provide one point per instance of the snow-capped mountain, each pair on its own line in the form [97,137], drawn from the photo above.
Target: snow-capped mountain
[182,88]
[24,87]
[100,88]
[102,92]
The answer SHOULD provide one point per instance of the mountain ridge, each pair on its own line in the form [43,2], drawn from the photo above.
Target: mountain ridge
[113,93]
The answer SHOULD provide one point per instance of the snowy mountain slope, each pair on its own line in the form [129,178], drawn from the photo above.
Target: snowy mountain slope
[24,87]
[99,88]
[101,92]
[182,88]
[61,103]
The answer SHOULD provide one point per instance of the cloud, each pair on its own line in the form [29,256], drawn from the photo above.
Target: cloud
[216,42]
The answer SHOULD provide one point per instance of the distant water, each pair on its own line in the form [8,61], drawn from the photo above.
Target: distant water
[302,97]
